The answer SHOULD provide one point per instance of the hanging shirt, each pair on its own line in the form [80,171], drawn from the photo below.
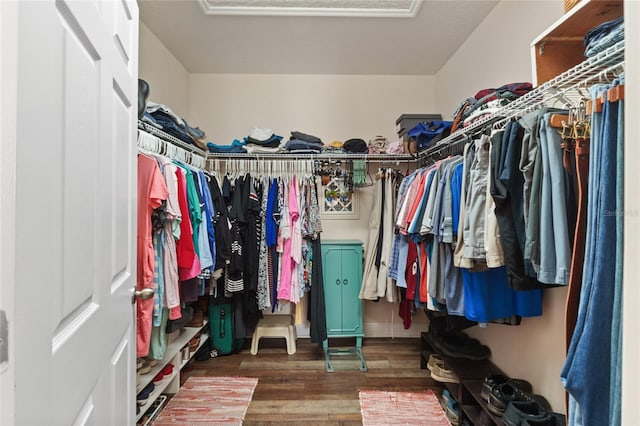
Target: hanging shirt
[152,189]
[188,262]
[296,240]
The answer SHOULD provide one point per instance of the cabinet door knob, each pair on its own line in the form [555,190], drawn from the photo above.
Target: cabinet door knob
[338,281]
[345,282]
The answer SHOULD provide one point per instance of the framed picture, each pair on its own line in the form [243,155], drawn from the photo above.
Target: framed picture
[337,200]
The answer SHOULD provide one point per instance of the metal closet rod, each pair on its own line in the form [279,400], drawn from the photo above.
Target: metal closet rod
[591,69]
[153,144]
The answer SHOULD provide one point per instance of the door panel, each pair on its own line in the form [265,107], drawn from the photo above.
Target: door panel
[75,203]
[352,280]
[332,274]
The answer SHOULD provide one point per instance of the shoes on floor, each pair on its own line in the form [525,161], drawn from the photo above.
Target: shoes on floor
[441,373]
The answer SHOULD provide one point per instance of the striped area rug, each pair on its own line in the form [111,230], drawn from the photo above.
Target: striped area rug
[209,401]
[401,408]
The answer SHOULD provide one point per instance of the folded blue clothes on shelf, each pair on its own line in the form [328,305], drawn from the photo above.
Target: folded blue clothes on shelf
[235,147]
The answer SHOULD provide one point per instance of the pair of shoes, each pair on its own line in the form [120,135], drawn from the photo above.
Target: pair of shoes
[452,411]
[497,379]
[503,394]
[527,413]
[433,359]
[143,396]
[447,398]
[165,372]
[441,373]
[457,344]
[194,342]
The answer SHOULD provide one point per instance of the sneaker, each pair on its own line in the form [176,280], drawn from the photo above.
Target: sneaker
[500,397]
[497,379]
[551,420]
[433,358]
[518,411]
[453,413]
[503,394]
[442,373]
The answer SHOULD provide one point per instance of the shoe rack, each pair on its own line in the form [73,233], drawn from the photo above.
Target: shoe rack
[178,354]
[467,393]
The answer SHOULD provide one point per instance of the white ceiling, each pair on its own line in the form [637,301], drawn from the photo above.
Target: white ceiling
[314,45]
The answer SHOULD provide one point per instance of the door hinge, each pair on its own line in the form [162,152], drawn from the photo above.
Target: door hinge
[4,339]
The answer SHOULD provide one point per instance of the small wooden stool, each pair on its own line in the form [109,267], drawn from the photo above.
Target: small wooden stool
[275,326]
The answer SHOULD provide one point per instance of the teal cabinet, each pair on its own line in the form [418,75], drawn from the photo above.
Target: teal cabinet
[342,272]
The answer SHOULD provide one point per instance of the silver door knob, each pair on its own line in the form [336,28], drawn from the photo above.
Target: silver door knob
[144,294]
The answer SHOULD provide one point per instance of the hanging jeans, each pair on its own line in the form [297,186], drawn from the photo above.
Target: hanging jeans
[615,398]
[586,374]
[555,247]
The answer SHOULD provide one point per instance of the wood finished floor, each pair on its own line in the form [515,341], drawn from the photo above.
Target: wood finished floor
[297,389]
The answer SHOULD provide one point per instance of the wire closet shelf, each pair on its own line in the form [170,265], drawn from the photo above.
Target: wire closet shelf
[566,87]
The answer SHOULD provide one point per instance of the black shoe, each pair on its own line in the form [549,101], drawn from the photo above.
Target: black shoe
[498,379]
[551,420]
[459,345]
[518,411]
[501,395]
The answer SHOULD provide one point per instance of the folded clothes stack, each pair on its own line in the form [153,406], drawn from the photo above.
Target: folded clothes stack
[603,36]
[302,143]
[236,147]
[378,145]
[162,117]
[263,141]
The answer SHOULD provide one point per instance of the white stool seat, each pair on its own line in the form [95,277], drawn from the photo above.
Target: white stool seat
[275,326]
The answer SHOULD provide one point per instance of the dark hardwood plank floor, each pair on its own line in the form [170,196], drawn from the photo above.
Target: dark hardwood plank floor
[297,389]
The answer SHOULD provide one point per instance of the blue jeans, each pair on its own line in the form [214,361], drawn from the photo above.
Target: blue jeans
[584,374]
[616,326]
[555,253]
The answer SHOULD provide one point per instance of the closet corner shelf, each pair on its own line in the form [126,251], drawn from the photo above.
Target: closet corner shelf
[563,85]
[561,46]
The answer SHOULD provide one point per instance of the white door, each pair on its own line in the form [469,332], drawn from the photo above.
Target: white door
[72,228]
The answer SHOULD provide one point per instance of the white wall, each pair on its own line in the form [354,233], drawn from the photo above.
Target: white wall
[331,107]
[168,79]
[496,53]
[228,106]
